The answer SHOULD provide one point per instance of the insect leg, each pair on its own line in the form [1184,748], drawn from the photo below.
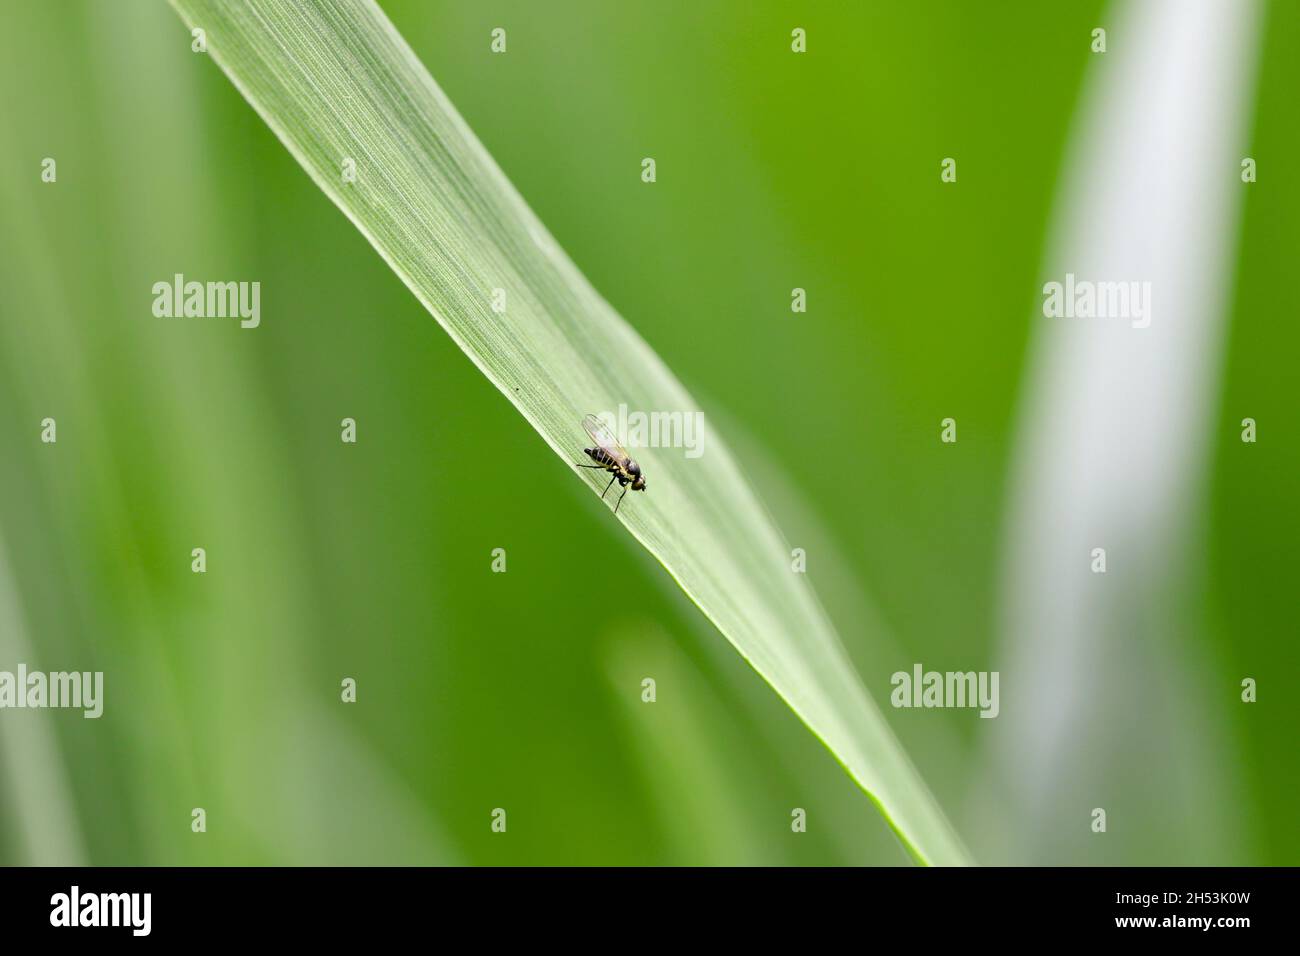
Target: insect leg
[620,498]
[607,487]
[590,466]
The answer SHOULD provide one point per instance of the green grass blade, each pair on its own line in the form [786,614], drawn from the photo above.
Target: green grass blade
[335,81]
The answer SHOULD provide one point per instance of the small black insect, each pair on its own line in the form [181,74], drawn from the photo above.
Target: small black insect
[608,454]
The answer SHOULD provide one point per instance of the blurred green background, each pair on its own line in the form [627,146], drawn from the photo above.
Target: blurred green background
[522,690]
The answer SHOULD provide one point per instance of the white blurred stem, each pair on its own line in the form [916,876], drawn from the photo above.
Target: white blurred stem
[1099,699]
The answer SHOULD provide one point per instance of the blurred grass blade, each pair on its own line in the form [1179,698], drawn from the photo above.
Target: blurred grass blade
[335,82]
[37,805]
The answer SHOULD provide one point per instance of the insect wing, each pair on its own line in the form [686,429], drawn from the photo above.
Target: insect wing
[605,439]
